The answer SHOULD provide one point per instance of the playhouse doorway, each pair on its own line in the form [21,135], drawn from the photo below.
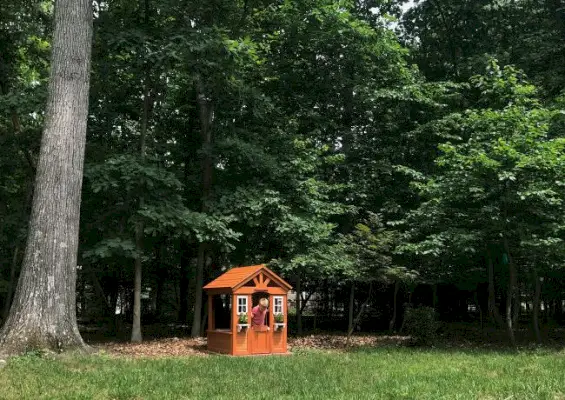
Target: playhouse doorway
[260,335]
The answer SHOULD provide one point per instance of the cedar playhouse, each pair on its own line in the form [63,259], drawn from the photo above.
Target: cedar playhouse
[242,287]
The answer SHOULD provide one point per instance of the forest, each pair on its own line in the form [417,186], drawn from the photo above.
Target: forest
[396,162]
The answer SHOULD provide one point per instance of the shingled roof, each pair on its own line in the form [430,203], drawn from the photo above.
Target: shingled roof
[237,277]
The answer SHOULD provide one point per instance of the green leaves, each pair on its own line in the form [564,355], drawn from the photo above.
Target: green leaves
[501,179]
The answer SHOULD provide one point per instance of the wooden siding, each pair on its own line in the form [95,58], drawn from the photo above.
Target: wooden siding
[220,341]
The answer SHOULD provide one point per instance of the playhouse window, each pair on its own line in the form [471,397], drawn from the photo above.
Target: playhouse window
[278,305]
[241,305]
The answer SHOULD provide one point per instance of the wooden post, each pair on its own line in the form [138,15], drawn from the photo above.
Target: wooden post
[271,322]
[234,322]
[211,326]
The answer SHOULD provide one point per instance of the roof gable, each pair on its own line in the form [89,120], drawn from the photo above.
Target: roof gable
[237,277]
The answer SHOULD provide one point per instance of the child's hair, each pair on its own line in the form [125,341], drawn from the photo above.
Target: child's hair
[264,302]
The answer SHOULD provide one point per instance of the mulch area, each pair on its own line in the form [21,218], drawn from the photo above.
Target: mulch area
[181,347]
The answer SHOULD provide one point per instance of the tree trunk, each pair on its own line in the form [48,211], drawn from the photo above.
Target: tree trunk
[492,309]
[185,258]
[404,314]
[43,313]
[395,307]
[536,305]
[359,315]
[136,335]
[517,307]
[478,304]
[298,305]
[160,282]
[197,317]
[510,293]
[351,306]
[206,117]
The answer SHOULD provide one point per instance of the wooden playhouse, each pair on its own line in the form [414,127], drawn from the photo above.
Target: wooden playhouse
[231,297]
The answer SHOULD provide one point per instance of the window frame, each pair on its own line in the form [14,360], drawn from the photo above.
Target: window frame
[281,311]
[246,305]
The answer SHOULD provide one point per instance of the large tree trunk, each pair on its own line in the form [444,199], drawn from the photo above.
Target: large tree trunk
[206,116]
[43,313]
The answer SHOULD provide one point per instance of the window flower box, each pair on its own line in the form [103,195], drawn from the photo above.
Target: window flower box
[243,322]
[279,322]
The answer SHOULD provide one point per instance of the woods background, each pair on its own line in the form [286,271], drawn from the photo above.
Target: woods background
[381,157]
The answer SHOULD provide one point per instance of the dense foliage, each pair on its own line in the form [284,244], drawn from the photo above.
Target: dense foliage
[412,156]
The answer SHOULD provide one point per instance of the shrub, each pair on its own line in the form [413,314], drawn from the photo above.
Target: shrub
[279,318]
[421,323]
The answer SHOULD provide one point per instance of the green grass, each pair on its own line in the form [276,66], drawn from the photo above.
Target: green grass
[378,374]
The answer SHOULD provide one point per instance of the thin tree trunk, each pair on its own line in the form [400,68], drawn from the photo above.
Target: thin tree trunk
[204,320]
[395,307]
[206,117]
[298,305]
[478,304]
[404,316]
[355,322]
[351,306]
[43,313]
[304,301]
[160,281]
[196,320]
[510,293]
[183,281]
[536,305]
[136,335]
[517,306]
[493,310]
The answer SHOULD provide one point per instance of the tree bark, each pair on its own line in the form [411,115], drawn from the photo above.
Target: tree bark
[206,116]
[493,310]
[136,335]
[43,313]
[517,306]
[359,315]
[395,307]
[298,305]
[536,305]
[510,293]
[351,306]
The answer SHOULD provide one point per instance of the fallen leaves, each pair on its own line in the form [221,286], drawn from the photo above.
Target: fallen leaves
[174,347]
[339,342]
[182,347]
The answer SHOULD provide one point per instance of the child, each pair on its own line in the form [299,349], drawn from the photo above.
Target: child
[259,313]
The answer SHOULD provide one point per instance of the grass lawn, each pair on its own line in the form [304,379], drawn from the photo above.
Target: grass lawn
[395,373]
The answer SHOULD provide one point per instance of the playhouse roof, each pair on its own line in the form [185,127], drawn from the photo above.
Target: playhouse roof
[237,277]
